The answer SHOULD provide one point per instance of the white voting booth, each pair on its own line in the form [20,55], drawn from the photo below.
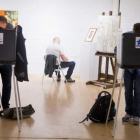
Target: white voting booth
[128,56]
[8,57]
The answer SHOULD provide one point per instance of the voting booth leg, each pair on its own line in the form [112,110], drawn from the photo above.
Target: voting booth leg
[19,100]
[117,68]
[0,99]
[19,127]
[115,123]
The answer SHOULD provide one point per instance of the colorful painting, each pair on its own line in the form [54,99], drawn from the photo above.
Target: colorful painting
[11,16]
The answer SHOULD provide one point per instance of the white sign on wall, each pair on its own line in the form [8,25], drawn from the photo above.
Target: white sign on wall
[1,38]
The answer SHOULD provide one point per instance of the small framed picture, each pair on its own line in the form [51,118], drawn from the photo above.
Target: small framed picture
[90,34]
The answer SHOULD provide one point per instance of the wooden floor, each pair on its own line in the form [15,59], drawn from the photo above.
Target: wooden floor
[58,112]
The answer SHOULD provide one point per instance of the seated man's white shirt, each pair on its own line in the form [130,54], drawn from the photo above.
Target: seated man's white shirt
[55,49]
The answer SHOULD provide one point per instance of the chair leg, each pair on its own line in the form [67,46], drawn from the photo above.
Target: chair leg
[56,76]
[63,75]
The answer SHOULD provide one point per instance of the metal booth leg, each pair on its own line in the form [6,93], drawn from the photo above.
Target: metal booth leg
[19,127]
[115,123]
[0,99]
[19,99]
[117,68]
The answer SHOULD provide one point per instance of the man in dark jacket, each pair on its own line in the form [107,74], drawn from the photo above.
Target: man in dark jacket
[6,73]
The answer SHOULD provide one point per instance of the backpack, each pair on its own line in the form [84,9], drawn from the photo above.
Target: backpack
[11,113]
[98,112]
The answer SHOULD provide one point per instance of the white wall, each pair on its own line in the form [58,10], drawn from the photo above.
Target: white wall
[130,10]
[44,19]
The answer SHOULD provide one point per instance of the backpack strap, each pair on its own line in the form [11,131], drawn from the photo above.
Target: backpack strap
[86,119]
[105,92]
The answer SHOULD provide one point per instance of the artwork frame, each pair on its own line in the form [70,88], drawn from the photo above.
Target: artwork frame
[11,16]
[90,35]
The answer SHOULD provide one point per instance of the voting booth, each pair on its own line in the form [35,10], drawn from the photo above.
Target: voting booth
[128,52]
[7,46]
[128,57]
[8,57]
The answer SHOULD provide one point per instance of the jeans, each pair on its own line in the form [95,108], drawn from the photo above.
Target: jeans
[132,99]
[70,66]
[6,73]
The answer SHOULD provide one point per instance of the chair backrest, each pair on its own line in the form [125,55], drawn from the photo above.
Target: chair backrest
[57,61]
[50,57]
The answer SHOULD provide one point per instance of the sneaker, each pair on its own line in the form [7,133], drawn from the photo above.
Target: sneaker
[127,117]
[70,80]
[136,121]
[58,79]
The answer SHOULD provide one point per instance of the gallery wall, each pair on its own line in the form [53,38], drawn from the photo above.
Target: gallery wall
[42,20]
[130,14]
[69,19]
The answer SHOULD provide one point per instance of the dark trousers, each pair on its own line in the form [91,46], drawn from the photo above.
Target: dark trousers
[6,73]
[132,99]
[70,66]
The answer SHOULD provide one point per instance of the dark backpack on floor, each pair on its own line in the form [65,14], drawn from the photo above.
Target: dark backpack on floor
[99,110]
[11,113]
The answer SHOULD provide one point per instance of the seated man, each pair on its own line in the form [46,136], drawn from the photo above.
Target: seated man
[56,50]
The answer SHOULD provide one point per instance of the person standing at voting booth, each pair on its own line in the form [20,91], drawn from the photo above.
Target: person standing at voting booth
[132,90]
[5,71]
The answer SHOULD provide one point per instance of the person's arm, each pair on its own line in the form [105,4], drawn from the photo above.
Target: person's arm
[64,58]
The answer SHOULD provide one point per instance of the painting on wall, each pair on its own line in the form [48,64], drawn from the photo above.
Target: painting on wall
[11,16]
[107,33]
[90,34]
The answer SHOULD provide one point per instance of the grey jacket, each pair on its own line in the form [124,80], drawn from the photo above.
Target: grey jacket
[50,65]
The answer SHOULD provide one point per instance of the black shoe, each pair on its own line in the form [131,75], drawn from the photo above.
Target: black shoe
[58,79]
[70,80]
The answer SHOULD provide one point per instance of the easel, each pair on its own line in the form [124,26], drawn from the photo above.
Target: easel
[104,79]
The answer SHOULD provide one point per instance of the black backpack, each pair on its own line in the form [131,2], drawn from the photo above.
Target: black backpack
[98,112]
[11,113]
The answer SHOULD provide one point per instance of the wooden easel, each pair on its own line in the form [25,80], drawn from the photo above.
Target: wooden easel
[106,80]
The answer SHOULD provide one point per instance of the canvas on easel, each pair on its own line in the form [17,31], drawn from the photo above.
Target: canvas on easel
[107,35]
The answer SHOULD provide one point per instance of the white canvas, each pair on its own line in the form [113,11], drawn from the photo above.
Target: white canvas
[107,33]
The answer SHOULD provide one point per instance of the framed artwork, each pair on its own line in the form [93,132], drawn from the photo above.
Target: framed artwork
[90,35]
[11,16]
